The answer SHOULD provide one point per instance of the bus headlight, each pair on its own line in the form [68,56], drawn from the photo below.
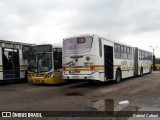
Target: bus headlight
[49,74]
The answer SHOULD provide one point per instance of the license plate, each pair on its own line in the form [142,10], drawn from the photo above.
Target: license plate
[75,77]
[77,71]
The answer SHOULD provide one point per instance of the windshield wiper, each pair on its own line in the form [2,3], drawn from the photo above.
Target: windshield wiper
[29,62]
[38,61]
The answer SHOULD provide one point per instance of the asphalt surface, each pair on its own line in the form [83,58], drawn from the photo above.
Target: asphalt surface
[139,91]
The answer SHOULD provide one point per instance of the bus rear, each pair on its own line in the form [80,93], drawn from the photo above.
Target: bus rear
[45,64]
[79,58]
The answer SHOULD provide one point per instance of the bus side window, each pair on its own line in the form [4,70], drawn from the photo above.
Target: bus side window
[129,53]
[117,51]
[100,47]
[25,51]
[122,49]
[123,52]
[140,54]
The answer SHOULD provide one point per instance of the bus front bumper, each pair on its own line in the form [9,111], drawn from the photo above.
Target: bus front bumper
[78,77]
[42,80]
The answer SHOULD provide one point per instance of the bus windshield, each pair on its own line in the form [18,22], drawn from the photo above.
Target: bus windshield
[40,58]
[40,62]
[32,63]
[78,45]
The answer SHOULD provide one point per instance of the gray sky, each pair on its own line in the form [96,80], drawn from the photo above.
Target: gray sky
[133,22]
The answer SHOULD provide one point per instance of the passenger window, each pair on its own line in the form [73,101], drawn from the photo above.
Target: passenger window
[122,49]
[100,47]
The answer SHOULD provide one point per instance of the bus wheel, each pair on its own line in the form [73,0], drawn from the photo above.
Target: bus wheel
[118,76]
[150,70]
[26,77]
[141,72]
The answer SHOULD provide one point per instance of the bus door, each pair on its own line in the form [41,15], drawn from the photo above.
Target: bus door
[11,66]
[108,61]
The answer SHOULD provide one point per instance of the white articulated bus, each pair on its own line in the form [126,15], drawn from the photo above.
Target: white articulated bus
[13,60]
[90,57]
[45,64]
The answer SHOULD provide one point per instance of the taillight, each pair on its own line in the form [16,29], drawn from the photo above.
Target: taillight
[64,67]
[91,66]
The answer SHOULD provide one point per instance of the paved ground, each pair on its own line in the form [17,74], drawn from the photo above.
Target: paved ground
[139,91]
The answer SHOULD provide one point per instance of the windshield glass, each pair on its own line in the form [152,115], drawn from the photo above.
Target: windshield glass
[78,45]
[32,63]
[44,62]
[40,62]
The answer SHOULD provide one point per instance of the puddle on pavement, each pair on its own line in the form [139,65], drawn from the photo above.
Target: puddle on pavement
[103,105]
[122,110]
[109,105]
[73,94]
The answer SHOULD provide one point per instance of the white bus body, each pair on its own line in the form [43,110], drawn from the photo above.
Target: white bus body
[13,60]
[90,57]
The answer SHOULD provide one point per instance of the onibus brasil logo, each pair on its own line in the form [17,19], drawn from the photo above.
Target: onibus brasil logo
[21,114]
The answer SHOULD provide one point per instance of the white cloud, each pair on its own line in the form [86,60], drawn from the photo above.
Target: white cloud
[134,22]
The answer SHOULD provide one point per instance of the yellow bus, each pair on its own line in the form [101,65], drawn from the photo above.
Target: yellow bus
[45,64]
[157,63]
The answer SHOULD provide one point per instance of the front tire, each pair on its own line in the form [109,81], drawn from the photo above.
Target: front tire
[26,77]
[150,70]
[118,76]
[141,72]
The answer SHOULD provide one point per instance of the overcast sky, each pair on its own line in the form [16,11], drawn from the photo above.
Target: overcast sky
[133,22]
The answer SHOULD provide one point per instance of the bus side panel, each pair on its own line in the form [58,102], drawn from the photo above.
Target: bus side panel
[146,68]
[144,61]
[101,68]
[128,70]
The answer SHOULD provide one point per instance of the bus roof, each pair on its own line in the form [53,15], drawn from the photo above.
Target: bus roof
[56,45]
[82,35]
[98,37]
[13,42]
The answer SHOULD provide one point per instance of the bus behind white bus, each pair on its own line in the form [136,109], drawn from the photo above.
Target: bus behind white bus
[90,57]
[45,64]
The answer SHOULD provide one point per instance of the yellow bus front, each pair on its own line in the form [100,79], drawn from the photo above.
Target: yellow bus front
[45,65]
